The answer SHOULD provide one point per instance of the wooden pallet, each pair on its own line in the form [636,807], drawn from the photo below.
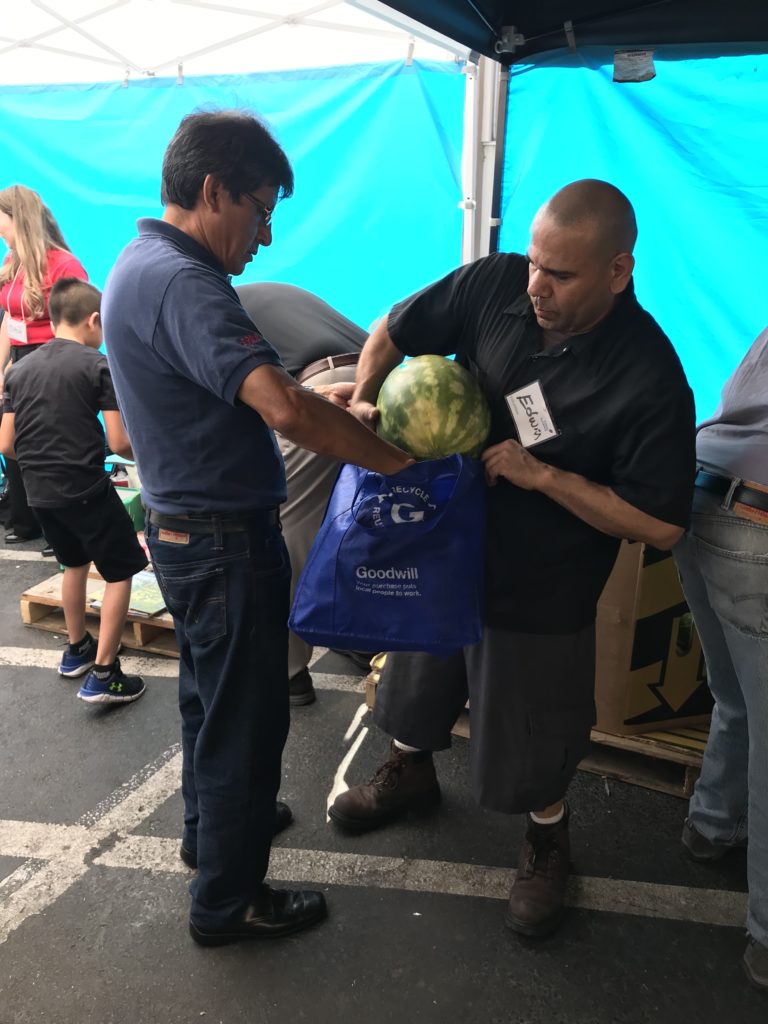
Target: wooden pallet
[41,609]
[667,762]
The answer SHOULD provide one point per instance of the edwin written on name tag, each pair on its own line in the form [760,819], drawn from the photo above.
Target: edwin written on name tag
[533,420]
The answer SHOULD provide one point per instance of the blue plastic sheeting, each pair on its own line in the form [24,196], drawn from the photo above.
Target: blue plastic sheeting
[376,151]
[690,149]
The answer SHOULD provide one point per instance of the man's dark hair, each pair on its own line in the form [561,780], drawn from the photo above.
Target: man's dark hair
[72,300]
[233,145]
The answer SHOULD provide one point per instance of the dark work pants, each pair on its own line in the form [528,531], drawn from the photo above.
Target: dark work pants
[229,601]
[531,701]
[21,518]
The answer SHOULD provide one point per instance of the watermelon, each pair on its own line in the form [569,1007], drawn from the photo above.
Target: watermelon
[432,407]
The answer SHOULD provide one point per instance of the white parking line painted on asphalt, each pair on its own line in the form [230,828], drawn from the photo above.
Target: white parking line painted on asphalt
[38,893]
[55,856]
[449,878]
[14,555]
[354,724]
[31,657]
[339,779]
[157,668]
[67,851]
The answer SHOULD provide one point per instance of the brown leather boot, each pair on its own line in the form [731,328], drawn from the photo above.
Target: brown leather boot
[405,782]
[538,892]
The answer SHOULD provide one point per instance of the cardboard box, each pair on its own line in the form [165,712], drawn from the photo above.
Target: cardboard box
[650,667]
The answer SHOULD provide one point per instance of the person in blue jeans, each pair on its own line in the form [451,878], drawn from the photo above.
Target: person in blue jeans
[202,392]
[723,566]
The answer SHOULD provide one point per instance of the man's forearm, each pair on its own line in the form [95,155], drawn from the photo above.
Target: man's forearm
[321,427]
[602,508]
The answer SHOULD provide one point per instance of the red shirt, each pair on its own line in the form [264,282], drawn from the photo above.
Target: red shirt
[60,264]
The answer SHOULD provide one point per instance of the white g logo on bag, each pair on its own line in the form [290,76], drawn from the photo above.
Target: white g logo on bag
[409,514]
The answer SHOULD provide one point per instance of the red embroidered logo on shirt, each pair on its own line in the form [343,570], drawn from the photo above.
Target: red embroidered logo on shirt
[251,339]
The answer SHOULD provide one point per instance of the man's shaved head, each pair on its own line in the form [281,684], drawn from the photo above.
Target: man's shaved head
[599,205]
[580,256]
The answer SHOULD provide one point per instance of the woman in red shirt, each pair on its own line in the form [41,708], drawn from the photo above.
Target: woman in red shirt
[37,256]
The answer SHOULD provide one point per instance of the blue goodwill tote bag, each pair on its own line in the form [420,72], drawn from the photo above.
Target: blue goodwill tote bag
[398,562]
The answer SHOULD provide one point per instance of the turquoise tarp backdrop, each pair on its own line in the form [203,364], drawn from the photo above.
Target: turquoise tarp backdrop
[690,149]
[376,150]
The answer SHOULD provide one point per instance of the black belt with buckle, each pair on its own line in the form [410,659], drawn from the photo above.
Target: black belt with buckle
[259,517]
[733,488]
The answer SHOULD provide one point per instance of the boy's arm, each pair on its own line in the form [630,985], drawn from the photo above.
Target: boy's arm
[116,435]
[7,434]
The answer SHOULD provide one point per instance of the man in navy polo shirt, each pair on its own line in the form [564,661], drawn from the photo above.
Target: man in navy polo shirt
[201,392]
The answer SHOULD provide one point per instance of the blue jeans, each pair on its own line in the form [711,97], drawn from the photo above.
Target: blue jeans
[229,599]
[723,566]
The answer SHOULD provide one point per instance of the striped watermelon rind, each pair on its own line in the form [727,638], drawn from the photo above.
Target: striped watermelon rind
[431,407]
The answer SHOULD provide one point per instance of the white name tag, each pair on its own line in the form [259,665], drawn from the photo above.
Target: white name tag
[531,414]
[17,330]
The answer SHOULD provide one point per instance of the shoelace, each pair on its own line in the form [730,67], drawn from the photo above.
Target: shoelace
[387,774]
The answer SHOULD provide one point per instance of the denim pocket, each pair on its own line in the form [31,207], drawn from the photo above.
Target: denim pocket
[733,560]
[195,594]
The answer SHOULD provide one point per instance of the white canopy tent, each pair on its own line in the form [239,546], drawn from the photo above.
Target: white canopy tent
[61,41]
[108,40]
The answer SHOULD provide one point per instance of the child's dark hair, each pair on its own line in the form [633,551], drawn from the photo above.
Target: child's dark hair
[72,300]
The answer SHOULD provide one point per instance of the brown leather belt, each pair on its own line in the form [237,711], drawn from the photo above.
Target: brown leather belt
[328,363]
[735,490]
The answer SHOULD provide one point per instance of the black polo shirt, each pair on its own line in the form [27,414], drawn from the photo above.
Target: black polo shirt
[625,418]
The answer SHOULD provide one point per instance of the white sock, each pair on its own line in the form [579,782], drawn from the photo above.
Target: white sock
[547,821]
[406,748]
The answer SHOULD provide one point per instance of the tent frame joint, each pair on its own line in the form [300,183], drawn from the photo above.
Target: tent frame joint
[509,40]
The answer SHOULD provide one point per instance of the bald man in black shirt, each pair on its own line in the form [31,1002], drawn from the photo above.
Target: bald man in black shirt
[592,440]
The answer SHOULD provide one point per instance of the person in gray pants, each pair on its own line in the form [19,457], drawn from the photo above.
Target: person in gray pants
[319,347]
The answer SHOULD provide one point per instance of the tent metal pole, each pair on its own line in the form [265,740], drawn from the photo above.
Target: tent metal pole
[479,156]
[502,96]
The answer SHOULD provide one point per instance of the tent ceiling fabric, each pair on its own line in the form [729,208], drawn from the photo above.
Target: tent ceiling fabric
[478,23]
[106,40]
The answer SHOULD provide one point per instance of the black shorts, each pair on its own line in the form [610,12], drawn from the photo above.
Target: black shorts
[531,709]
[97,530]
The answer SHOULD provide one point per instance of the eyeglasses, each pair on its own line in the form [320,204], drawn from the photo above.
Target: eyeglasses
[265,212]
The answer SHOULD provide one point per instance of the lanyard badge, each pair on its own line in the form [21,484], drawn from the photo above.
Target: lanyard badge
[17,330]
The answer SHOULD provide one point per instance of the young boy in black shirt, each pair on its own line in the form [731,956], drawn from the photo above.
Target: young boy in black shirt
[50,419]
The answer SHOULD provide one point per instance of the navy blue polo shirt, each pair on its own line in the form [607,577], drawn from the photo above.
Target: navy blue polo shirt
[179,345]
[623,413]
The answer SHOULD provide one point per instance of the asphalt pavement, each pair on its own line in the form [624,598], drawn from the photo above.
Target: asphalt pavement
[94,904]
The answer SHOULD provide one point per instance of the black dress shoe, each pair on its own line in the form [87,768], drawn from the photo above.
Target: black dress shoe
[47,551]
[278,912]
[301,689]
[283,818]
[20,538]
